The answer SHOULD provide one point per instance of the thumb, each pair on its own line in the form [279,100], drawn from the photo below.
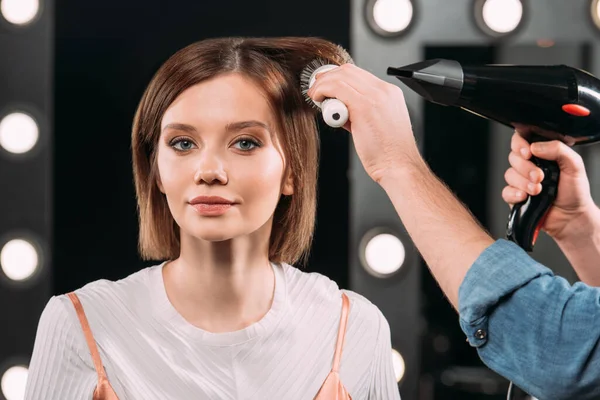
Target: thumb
[348,126]
[569,161]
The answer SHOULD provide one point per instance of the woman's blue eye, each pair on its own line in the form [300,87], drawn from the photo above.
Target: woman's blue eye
[182,145]
[246,144]
[186,145]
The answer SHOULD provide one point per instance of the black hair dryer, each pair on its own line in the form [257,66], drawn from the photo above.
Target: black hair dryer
[543,102]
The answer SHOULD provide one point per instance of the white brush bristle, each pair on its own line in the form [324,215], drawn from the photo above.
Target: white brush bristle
[306,75]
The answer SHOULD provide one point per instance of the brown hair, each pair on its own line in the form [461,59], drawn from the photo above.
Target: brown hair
[275,65]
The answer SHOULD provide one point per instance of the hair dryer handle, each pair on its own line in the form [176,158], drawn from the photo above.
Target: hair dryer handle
[526,218]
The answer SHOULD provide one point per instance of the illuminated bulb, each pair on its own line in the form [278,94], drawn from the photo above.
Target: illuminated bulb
[398,363]
[19,12]
[384,254]
[502,16]
[19,259]
[595,11]
[392,16]
[13,383]
[545,42]
[18,133]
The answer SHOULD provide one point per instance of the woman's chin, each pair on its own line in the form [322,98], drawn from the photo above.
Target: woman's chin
[218,233]
[214,236]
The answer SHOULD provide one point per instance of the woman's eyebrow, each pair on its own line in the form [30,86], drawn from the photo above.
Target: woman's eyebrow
[238,126]
[231,127]
[180,127]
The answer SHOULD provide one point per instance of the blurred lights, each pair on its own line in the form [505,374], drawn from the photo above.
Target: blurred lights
[502,16]
[389,17]
[498,17]
[383,254]
[18,133]
[545,42]
[595,11]
[441,344]
[19,12]
[19,259]
[13,383]
[398,363]
[393,15]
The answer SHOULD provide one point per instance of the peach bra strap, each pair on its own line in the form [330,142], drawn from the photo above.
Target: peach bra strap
[341,333]
[88,337]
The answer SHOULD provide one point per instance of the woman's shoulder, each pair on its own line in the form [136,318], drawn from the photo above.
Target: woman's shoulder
[363,306]
[365,318]
[105,287]
[104,296]
[315,287]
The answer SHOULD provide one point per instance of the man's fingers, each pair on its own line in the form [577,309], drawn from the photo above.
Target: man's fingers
[513,195]
[338,89]
[516,180]
[520,146]
[355,77]
[526,168]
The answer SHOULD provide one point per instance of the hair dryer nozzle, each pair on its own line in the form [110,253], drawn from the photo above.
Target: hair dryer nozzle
[439,81]
[400,72]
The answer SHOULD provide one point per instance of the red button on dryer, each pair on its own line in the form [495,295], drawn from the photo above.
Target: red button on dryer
[576,110]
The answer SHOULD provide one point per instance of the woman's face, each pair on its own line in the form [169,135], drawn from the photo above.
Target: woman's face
[218,139]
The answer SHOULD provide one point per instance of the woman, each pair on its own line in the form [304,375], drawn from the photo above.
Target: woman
[225,153]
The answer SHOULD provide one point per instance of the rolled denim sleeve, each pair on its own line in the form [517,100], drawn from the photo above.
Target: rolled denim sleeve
[530,326]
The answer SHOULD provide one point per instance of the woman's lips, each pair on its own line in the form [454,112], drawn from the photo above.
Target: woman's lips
[214,209]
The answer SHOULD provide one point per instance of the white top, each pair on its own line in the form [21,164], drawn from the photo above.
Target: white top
[151,352]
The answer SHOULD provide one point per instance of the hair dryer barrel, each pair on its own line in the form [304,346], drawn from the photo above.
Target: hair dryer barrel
[558,101]
[553,99]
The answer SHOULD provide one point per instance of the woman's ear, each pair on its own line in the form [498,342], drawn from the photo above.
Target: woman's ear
[288,185]
[159,184]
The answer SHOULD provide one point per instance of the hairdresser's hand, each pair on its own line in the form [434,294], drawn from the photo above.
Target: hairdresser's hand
[378,117]
[573,201]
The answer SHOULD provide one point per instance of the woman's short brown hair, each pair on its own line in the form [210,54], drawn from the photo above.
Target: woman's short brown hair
[275,64]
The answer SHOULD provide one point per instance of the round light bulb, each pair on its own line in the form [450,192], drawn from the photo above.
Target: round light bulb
[393,16]
[502,16]
[19,12]
[13,383]
[384,254]
[18,133]
[19,259]
[595,11]
[398,363]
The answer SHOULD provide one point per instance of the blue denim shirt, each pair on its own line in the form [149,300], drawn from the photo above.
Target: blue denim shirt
[532,327]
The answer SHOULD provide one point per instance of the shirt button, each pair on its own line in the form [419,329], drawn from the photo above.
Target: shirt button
[480,334]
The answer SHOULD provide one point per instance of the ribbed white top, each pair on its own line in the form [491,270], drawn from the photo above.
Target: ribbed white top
[151,352]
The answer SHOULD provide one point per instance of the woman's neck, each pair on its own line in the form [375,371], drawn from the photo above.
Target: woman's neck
[221,286]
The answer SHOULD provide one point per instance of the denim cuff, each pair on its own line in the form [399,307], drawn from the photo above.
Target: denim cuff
[501,269]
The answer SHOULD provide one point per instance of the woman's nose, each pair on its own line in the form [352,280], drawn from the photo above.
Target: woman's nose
[210,170]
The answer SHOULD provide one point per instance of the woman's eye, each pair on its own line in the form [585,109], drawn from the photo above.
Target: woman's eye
[246,144]
[182,145]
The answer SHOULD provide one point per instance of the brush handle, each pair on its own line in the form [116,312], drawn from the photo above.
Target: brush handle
[335,113]
[527,217]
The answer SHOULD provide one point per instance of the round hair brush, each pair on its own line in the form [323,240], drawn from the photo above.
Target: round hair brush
[335,113]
